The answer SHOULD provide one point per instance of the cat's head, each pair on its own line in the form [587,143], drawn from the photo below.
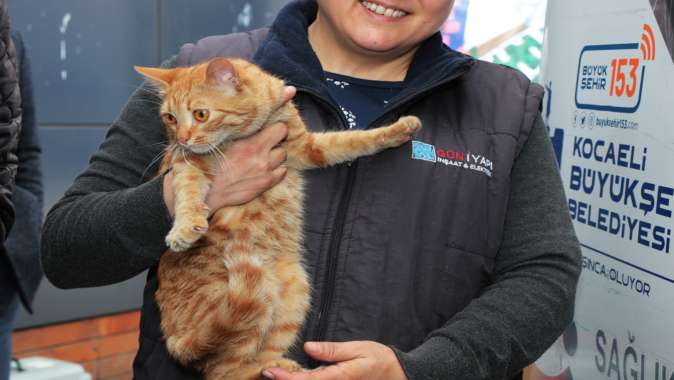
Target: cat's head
[207,105]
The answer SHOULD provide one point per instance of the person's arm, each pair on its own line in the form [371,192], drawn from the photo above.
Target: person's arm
[531,297]
[110,224]
[10,122]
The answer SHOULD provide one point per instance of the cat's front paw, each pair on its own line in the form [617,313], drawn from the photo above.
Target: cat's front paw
[184,234]
[401,131]
[287,364]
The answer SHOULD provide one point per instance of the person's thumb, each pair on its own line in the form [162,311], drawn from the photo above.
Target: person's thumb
[332,352]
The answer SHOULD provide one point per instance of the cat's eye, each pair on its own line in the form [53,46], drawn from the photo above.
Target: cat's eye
[169,119]
[201,115]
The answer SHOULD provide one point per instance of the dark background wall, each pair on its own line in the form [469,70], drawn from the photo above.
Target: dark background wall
[83,51]
[82,54]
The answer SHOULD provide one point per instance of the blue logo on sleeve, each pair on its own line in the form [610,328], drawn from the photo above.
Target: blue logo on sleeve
[423,151]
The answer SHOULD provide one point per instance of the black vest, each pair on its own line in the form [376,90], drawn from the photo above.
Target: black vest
[397,243]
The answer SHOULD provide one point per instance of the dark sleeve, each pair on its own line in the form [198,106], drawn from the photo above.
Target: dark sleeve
[111,223]
[10,122]
[530,300]
[28,175]
[23,243]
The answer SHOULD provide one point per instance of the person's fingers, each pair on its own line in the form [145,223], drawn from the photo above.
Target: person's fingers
[325,373]
[270,136]
[289,92]
[246,190]
[277,175]
[253,185]
[167,192]
[277,156]
[260,183]
[333,352]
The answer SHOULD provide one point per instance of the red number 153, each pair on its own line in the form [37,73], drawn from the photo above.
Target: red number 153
[619,83]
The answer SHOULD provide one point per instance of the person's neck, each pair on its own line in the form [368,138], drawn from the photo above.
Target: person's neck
[336,57]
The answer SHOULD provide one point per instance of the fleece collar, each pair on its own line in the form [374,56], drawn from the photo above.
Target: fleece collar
[286,52]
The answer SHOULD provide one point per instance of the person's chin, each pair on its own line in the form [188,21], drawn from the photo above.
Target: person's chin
[377,45]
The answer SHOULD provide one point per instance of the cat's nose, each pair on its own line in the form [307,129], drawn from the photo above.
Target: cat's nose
[183,137]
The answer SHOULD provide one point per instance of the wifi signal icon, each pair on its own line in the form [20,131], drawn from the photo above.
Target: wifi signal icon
[648,43]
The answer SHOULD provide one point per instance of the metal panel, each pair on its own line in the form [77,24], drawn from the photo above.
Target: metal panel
[83,52]
[186,21]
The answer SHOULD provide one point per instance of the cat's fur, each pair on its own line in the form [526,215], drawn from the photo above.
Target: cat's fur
[232,305]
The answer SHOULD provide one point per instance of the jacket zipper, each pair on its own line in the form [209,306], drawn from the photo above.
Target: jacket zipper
[320,330]
[333,251]
[344,200]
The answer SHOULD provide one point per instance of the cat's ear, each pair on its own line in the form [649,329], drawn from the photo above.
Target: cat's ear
[220,72]
[162,77]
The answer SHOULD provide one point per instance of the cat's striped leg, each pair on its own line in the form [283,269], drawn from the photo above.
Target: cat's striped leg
[314,150]
[288,317]
[245,313]
[191,183]
[244,316]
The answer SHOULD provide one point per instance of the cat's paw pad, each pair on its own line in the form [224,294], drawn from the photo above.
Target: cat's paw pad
[411,124]
[402,131]
[183,235]
[287,364]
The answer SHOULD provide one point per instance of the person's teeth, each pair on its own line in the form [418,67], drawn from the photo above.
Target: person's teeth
[379,9]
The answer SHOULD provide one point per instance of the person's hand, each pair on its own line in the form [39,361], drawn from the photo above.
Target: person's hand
[254,165]
[352,361]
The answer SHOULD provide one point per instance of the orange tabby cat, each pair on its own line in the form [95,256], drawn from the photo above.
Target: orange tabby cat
[233,306]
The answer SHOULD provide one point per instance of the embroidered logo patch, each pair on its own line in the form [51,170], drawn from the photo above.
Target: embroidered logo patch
[448,157]
[423,151]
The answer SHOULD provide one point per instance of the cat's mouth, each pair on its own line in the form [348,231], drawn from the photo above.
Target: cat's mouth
[197,148]
[207,148]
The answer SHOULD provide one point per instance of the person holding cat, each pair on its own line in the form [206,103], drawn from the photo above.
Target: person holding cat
[11,114]
[450,257]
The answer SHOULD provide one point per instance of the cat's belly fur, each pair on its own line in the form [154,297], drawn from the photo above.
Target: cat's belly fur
[196,290]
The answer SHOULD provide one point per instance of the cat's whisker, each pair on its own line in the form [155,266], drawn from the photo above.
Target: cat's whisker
[148,101]
[225,161]
[156,158]
[165,143]
[187,161]
[214,150]
[146,87]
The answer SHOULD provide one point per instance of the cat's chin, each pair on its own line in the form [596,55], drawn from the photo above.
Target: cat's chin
[202,149]
[199,149]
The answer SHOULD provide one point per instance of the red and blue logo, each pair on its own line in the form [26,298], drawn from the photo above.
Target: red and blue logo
[449,157]
[611,77]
